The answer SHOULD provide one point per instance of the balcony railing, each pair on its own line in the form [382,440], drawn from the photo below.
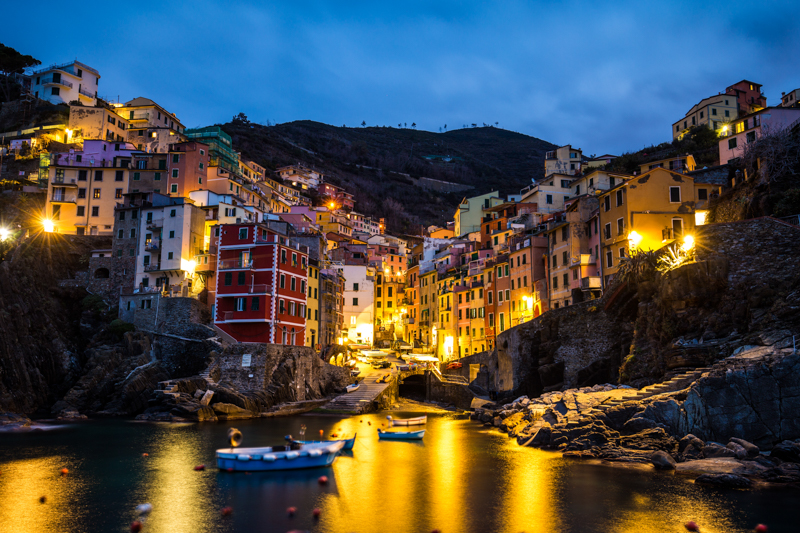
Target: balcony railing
[152,245]
[52,81]
[154,224]
[138,116]
[232,264]
[202,265]
[590,283]
[84,92]
[582,260]
[62,181]
[60,196]
[152,267]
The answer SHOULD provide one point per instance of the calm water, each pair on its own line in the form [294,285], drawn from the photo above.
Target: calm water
[461,479]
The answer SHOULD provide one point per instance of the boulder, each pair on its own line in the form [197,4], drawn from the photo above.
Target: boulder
[662,460]
[737,449]
[206,399]
[725,480]
[752,449]
[787,451]
[638,423]
[228,411]
[713,450]
[690,448]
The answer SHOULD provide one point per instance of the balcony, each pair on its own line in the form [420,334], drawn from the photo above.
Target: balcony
[87,94]
[152,245]
[582,260]
[152,267]
[61,197]
[234,264]
[259,289]
[154,224]
[409,320]
[590,283]
[63,182]
[139,117]
[205,263]
[52,81]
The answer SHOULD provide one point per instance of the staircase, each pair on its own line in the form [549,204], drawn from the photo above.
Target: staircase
[206,375]
[168,388]
[449,378]
[678,382]
[356,401]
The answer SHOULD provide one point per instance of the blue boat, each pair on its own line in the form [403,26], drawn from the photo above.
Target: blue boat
[279,457]
[348,443]
[401,435]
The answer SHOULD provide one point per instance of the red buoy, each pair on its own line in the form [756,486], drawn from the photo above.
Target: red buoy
[291,511]
[321,432]
[316,512]
[64,471]
[691,525]
[136,526]
[761,528]
[229,469]
[42,499]
[226,511]
[145,455]
[200,467]
[323,480]
[370,423]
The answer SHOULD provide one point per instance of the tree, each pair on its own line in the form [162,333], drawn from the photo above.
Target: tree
[496,123]
[405,124]
[363,123]
[241,118]
[12,62]
[445,127]
[414,125]
[772,156]
[400,125]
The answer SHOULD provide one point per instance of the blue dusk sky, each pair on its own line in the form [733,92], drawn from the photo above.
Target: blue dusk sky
[602,76]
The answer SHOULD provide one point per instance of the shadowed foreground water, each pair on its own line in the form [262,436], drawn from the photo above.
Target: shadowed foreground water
[462,478]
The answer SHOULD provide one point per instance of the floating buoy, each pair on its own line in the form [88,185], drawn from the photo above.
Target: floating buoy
[144,509]
[316,512]
[42,499]
[200,467]
[226,511]
[370,423]
[323,480]
[64,471]
[334,435]
[362,420]
[291,511]
[436,531]
[321,432]
[235,436]
[691,525]
[145,455]
[136,526]
[761,528]
[229,469]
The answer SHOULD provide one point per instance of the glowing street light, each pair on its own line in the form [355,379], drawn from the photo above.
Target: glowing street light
[634,239]
[4,234]
[49,226]
[688,243]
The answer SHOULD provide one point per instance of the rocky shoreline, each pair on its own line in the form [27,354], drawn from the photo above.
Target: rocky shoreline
[736,426]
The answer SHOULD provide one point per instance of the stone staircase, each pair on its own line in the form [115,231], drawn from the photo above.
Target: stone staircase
[356,401]
[678,382]
[168,388]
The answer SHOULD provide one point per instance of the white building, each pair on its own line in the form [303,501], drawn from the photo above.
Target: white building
[65,83]
[170,236]
[549,194]
[301,177]
[359,302]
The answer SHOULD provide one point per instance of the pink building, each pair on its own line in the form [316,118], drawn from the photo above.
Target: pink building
[750,127]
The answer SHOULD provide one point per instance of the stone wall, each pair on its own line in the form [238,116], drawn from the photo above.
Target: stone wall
[174,315]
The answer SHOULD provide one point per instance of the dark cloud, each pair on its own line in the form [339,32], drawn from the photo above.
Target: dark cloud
[607,77]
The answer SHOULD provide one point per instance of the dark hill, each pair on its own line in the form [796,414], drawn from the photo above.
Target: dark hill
[382,166]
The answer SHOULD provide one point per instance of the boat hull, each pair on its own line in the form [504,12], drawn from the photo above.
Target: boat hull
[348,443]
[401,435]
[419,421]
[266,459]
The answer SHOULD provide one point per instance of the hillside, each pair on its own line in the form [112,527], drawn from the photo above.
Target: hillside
[382,166]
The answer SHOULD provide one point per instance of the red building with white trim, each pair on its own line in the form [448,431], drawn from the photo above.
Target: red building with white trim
[261,285]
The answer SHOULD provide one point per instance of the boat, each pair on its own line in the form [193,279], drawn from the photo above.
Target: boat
[401,435]
[292,457]
[418,421]
[352,388]
[348,443]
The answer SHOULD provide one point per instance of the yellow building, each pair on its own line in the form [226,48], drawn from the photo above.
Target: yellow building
[312,305]
[563,160]
[713,112]
[679,163]
[645,213]
[428,307]
[330,222]
[446,331]
[96,123]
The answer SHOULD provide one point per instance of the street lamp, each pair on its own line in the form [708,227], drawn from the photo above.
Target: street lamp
[4,234]
[49,226]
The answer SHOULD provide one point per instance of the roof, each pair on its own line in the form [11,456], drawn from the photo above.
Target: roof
[744,81]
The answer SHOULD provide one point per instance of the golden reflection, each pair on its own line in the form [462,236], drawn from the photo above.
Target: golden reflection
[446,465]
[23,482]
[182,499]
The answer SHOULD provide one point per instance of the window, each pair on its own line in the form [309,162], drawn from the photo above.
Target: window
[565,184]
[355,288]
[702,194]
[240,278]
[157,176]
[81,193]
[254,304]
[117,193]
[491,320]
[176,158]
[675,195]
[508,293]
[608,231]
[622,252]
[751,136]
[727,113]
[283,281]
[82,175]
[713,111]
[293,284]
[731,143]
[619,198]
[555,261]
[242,233]
[577,190]
[281,306]
[566,280]
[136,176]
[620,226]
[56,91]
[174,172]
[564,233]
[81,211]
[549,199]
[355,301]
[170,255]
[119,175]
[241,304]
[98,175]
[677,228]
[609,259]
[606,203]
[489,295]
[173,188]
[701,114]
[564,258]
[95,211]
[133,233]
[228,278]
[121,234]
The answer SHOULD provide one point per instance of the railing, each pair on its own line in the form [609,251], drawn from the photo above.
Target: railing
[139,116]
[61,181]
[152,245]
[59,196]
[260,289]
[154,224]
[152,267]
[582,260]
[87,93]
[793,220]
[230,264]
[592,282]
[52,80]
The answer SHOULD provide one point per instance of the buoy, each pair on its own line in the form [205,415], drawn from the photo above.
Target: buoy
[370,423]
[200,467]
[136,526]
[323,480]
[316,512]
[226,511]
[145,455]
[761,528]
[229,469]
[235,436]
[362,421]
[291,511]
[64,471]
[436,531]
[321,432]
[691,525]
[144,508]
[42,499]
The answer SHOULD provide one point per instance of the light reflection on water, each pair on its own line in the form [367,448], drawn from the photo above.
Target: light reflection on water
[461,479]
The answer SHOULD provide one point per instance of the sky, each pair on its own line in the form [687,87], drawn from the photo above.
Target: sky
[607,77]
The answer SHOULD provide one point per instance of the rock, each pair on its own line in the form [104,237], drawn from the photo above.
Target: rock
[229,411]
[662,460]
[71,414]
[497,421]
[714,450]
[690,448]
[637,424]
[725,480]
[787,451]
[14,420]
[752,449]
[206,399]
[198,394]
[737,449]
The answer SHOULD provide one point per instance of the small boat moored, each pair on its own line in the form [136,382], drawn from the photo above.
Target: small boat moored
[418,421]
[352,388]
[292,457]
[401,435]
[348,443]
